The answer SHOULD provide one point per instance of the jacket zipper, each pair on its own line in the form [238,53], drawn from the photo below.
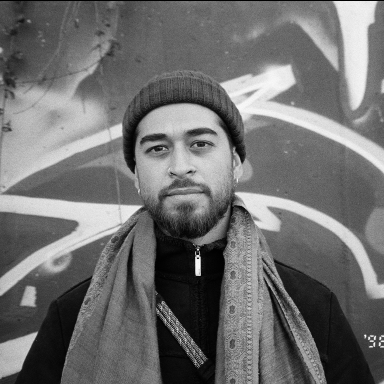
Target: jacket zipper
[197,260]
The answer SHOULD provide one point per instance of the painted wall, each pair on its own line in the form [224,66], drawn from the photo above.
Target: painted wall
[308,80]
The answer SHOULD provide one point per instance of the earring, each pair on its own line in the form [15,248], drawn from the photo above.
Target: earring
[138,191]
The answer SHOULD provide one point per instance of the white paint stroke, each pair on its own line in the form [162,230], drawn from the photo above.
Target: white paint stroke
[253,201]
[265,86]
[55,156]
[56,264]
[94,222]
[29,297]
[323,126]
[13,353]
[355,18]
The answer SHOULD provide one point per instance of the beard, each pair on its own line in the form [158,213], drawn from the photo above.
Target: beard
[184,221]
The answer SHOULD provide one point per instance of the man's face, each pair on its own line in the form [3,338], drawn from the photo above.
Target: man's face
[185,169]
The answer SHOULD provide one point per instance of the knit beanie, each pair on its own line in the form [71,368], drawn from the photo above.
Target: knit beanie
[181,87]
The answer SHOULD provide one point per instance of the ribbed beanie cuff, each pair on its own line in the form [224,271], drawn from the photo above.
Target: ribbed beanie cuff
[181,87]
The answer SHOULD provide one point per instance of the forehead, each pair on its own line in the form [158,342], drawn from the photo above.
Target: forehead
[176,119]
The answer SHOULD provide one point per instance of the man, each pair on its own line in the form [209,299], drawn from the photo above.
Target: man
[187,291]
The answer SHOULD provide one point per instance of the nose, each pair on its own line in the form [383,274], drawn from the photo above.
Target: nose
[181,164]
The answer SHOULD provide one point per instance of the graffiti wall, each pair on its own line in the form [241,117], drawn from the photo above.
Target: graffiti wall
[308,78]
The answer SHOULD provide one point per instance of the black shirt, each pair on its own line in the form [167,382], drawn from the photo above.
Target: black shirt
[193,299]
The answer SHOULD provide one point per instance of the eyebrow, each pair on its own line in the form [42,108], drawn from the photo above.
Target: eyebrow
[192,133]
[153,137]
[201,131]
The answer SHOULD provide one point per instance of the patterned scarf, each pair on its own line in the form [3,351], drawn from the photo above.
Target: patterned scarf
[262,337]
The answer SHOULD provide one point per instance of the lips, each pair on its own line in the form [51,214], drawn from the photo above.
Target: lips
[184,191]
[184,187]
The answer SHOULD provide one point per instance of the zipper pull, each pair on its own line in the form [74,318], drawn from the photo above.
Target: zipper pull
[197,261]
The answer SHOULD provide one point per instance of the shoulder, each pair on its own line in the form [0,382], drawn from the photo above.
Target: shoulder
[75,293]
[313,298]
[68,306]
[45,359]
[73,297]
[300,285]
[314,301]
[341,355]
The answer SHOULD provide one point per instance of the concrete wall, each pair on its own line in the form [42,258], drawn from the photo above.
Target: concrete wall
[308,79]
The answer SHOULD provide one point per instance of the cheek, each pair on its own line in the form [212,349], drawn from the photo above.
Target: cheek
[149,180]
[219,170]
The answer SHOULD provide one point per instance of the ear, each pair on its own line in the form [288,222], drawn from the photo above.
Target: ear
[237,165]
[137,184]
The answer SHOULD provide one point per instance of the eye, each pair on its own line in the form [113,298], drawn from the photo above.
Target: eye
[157,149]
[201,145]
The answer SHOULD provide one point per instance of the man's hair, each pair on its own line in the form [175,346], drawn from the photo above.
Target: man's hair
[182,86]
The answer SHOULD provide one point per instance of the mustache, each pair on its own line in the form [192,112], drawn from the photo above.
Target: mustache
[183,183]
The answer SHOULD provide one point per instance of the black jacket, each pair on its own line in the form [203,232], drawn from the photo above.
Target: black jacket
[340,354]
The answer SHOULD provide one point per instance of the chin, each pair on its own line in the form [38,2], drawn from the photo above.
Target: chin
[191,209]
